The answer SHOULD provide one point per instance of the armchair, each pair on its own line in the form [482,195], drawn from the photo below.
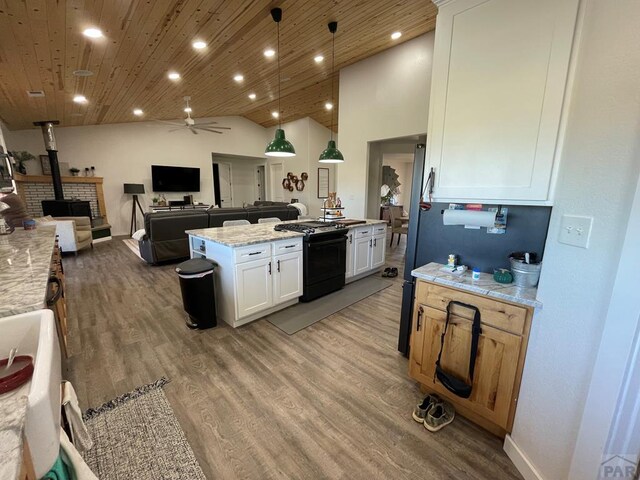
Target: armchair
[74,233]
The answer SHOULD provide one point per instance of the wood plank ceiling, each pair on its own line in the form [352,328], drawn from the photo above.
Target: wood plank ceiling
[41,45]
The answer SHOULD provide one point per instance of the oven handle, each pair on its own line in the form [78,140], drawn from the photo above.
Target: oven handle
[327,242]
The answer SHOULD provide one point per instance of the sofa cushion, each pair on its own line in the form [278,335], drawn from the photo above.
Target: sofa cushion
[218,215]
[162,226]
[83,235]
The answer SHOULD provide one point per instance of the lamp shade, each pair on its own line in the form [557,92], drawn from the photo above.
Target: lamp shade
[280,146]
[134,188]
[331,154]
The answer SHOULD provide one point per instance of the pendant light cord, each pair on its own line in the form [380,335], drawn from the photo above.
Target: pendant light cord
[278,47]
[333,68]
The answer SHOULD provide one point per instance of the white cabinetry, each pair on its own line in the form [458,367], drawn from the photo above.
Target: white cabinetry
[254,287]
[366,248]
[255,280]
[498,85]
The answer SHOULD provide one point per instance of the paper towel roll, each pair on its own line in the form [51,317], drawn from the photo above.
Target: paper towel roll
[469,218]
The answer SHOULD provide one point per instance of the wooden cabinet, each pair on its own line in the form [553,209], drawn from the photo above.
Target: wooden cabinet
[366,249]
[56,293]
[500,359]
[498,85]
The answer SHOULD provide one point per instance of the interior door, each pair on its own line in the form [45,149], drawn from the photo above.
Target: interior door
[254,288]
[224,175]
[362,257]
[276,174]
[287,284]
[377,251]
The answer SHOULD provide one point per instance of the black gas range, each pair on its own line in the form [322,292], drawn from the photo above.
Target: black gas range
[324,256]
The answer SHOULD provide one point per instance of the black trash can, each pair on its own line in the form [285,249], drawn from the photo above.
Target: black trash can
[198,292]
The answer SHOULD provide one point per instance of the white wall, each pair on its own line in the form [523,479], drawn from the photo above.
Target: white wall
[597,177]
[122,153]
[381,97]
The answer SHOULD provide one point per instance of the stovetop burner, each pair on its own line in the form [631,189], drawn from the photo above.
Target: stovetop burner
[310,228]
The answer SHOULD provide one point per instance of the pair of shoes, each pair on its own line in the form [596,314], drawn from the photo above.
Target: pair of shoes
[390,272]
[434,413]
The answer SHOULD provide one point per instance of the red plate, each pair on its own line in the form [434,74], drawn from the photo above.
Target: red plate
[18,374]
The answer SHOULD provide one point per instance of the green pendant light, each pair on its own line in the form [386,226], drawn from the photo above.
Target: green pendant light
[279,146]
[331,154]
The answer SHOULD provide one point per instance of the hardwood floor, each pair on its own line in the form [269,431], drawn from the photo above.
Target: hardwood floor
[331,401]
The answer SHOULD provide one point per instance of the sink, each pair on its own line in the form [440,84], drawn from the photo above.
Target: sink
[35,334]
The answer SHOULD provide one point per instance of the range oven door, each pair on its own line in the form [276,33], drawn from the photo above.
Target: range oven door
[324,265]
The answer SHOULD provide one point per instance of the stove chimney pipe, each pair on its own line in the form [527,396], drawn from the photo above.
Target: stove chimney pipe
[52,151]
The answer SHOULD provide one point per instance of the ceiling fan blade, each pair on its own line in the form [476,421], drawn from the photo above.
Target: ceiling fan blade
[207,123]
[211,126]
[208,130]
[176,129]
[193,131]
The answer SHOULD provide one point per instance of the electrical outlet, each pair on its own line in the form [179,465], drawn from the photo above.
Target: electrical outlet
[575,230]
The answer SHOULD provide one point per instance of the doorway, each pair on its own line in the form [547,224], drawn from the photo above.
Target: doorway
[222,184]
[391,162]
[276,174]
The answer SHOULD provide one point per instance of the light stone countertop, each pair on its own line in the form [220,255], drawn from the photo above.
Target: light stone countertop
[243,235]
[13,414]
[485,286]
[25,262]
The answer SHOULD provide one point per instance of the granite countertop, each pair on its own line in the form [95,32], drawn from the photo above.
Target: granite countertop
[485,286]
[13,414]
[25,262]
[243,235]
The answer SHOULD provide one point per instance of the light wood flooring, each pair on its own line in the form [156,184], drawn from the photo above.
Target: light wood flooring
[332,401]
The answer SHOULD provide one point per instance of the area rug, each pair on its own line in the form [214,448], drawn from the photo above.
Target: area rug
[138,436]
[301,315]
[132,245]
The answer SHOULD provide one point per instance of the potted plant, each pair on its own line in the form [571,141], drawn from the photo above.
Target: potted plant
[74,171]
[22,157]
[155,200]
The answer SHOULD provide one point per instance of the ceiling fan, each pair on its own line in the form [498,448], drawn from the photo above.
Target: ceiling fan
[190,124]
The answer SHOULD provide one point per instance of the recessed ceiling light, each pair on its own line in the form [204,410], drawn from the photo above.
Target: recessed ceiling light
[199,45]
[252,96]
[80,99]
[396,35]
[92,32]
[275,114]
[138,112]
[269,52]
[328,105]
[188,110]
[82,73]
[238,78]
[174,76]
[318,58]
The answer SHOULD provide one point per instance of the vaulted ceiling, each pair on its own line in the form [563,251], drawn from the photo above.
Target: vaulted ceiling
[41,45]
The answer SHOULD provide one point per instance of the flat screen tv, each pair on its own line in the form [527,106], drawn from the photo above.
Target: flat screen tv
[175,179]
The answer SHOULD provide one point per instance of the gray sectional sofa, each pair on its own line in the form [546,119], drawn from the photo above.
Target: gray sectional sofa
[165,240]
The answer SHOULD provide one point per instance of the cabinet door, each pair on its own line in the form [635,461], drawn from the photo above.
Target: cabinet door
[496,363]
[350,254]
[377,251]
[362,255]
[254,287]
[287,277]
[499,76]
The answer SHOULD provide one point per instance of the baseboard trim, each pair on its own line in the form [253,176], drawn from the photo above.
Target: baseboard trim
[102,239]
[520,460]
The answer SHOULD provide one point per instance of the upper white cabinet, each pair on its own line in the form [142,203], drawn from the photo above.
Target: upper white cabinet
[499,77]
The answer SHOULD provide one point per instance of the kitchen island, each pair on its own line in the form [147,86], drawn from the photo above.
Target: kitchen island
[260,270]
